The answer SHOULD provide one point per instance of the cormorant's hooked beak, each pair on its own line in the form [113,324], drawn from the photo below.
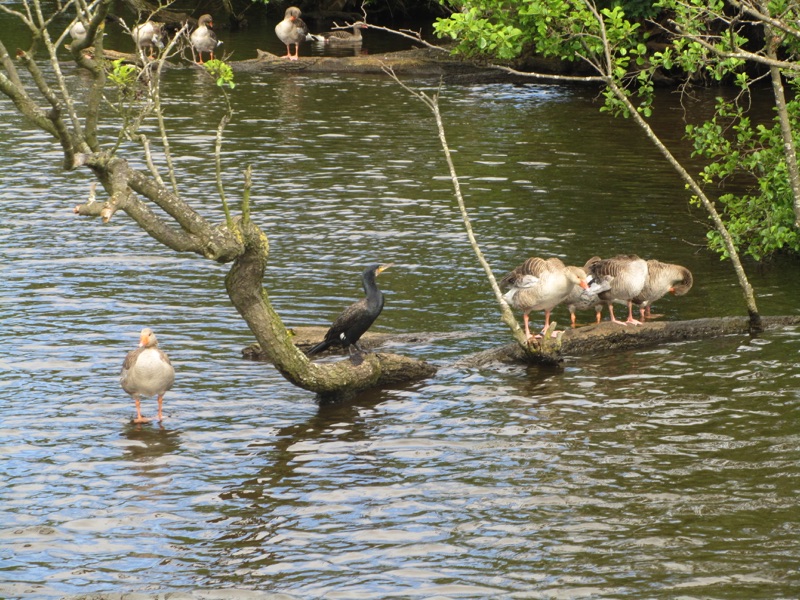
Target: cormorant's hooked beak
[382,268]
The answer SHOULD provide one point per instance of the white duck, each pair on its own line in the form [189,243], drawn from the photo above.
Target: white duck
[662,278]
[204,39]
[539,284]
[77,32]
[292,30]
[629,273]
[147,372]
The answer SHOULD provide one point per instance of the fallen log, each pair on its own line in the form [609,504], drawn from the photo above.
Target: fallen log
[394,368]
[603,338]
[610,337]
[418,62]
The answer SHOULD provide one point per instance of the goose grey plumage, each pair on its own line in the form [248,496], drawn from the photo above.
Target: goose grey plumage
[539,284]
[148,35]
[629,273]
[342,37]
[204,39]
[292,30]
[77,32]
[147,371]
[662,279]
[584,299]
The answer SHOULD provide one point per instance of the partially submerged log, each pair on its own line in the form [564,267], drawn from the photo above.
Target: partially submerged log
[394,368]
[610,337]
[307,336]
[418,62]
[606,337]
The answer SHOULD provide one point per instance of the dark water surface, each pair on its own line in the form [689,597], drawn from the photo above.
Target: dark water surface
[666,473]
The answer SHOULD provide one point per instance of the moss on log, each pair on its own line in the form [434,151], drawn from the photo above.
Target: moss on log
[584,341]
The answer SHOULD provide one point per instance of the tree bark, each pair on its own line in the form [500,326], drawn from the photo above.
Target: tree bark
[783,117]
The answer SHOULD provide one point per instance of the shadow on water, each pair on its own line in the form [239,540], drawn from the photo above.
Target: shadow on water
[345,417]
[150,441]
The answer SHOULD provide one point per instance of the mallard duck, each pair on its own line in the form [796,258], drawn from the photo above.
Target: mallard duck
[662,278]
[584,299]
[204,39]
[148,35]
[147,372]
[292,30]
[357,318]
[342,37]
[629,273]
[539,284]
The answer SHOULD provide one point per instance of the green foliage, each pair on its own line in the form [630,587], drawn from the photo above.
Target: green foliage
[123,75]
[565,29]
[707,49]
[635,9]
[479,32]
[749,157]
[221,72]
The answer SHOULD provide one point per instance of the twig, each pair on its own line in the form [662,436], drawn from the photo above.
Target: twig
[248,184]
[432,102]
[409,34]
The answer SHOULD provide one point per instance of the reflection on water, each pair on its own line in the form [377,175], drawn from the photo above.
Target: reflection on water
[669,472]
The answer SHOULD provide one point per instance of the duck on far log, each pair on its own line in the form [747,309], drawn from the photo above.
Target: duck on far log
[342,37]
[147,36]
[357,318]
[203,39]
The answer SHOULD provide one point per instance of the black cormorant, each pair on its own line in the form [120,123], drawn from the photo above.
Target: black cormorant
[348,328]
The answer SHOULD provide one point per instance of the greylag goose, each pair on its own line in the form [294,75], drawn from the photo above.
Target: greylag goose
[584,299]
[357,318]
[292,30]
[147,372]
[629,273]
[662,278]
[77,32]
[539,284]
[204,39]
[148,35]
[342,37]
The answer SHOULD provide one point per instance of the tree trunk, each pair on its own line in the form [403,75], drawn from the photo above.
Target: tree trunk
[786,127]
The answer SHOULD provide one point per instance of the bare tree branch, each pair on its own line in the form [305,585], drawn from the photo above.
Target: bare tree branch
[546,347]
